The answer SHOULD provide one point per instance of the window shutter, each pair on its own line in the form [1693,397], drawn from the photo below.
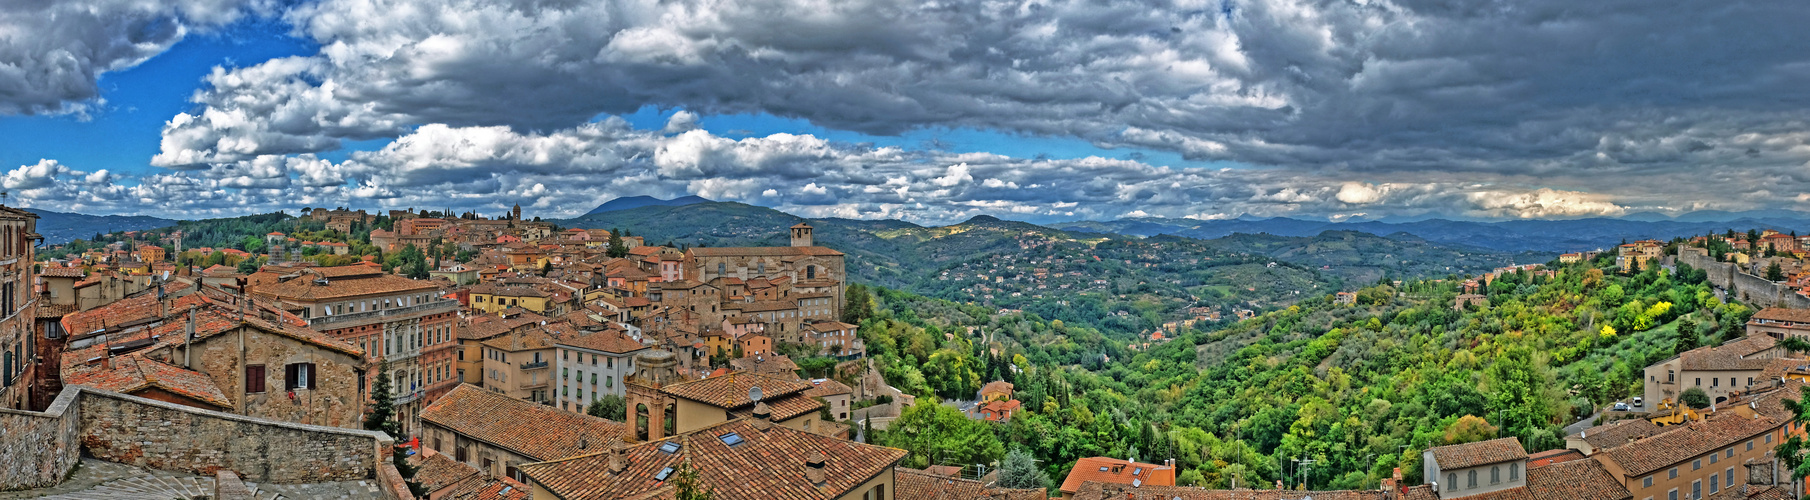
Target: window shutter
[289,377]
[311,376]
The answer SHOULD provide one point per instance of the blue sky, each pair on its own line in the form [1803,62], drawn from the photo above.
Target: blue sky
[888,108]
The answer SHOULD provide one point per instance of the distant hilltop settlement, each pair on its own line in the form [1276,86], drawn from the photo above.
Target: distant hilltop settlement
[129,375]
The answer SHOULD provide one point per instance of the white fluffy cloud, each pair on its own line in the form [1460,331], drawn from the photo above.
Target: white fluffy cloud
[52,53]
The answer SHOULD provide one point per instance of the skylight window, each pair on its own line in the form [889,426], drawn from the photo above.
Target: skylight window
[731,439]
[664,473]
[669,447]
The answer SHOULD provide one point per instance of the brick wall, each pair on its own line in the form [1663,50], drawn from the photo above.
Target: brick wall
[164,436]
[39,449]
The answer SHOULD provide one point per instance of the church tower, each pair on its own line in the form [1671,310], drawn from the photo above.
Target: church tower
[516,213]
[801,235]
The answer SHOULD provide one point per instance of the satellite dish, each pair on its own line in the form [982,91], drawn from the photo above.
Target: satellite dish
[754,394]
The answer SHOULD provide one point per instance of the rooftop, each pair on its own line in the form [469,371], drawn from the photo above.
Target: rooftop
[533,430]
[740,458]
[1460,456]
[1116,471]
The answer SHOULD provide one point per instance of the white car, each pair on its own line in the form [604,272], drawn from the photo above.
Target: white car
[1619,406]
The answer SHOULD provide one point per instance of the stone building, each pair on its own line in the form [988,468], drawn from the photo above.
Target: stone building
[1720,370]
[475,330]
[519,364]
[661,404]
[1472,469]
[216,349]
[497,433]
[391,318]
[18,309]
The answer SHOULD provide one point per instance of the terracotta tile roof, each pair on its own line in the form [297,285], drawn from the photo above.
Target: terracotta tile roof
[507,291]
[1782,314]
[536,431]
[604,341]
[1683,442]
[130,374]
[304,289]
[1617,433]
[783,408]
[527,339]
[482,488]
[731,391]
[1462,456]
[437,471]
[1772,403]
[1550,457]
[769,463]
[827,387]
[772,365]
[918,484]
[1731,355]
[1116,471]
[997,387]
[1575,480]
[61,272]
[1099,490]
[1746,492]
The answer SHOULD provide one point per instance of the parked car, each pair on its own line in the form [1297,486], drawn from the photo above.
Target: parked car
[1638,403]
[1619,406]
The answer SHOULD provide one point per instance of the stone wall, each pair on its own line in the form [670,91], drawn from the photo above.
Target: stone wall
[158,435]
[1746,288]
[38,449]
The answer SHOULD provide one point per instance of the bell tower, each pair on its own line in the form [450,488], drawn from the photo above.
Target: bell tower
[650,410]
[801,235]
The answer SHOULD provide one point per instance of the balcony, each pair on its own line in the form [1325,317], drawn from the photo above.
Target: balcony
[409,397]
[534,365]
[536,385]
[395,313]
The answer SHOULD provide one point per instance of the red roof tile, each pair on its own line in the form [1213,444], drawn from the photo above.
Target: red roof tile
[532,430]
[1116,471]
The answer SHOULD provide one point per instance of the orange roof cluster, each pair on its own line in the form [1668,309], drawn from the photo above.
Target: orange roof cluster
[740,458]
[532,430]
[1116,471]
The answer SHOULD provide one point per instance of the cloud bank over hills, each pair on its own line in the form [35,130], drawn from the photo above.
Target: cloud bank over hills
[1540,109]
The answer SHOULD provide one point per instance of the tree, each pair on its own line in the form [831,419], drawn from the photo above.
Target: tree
[687,486]
[937,434]
[617,248]
[612,407]
[1687,335]
[1019,471]
[858,304]
[382,418]
[1774,272]
[1469,429]
[1695,398]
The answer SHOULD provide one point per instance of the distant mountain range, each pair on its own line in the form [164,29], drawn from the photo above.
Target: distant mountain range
[901,254]
[1507,236]
[633,202]
[61,227]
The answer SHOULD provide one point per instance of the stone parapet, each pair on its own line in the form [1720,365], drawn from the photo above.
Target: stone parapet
[39,449]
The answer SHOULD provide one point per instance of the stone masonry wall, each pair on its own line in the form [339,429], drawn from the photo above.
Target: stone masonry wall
[38,449]
[1747,288]
[164,436]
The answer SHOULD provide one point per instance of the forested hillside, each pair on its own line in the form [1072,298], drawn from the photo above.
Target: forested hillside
[1357,389]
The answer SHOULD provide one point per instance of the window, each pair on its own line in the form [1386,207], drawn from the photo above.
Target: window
[1673,474]
[1698,382]
[1647,483]
[1713,457]
[1729,453]
[1750,445]
[1697,464]
[1672,495]
[1495,474]
[1715,382]
[298,376]
[1697,489]
[1514,471]
[1471,479]
[1731,477]
[1715,483]
[254,379]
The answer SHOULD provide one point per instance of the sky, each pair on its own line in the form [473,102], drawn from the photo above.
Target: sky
[927,111]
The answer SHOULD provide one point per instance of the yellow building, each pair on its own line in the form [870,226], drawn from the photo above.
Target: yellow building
[151,253]
[492,298]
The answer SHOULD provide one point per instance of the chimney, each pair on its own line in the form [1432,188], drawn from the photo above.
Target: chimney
[813,468]
[188,333]
[618,457]
[763,416]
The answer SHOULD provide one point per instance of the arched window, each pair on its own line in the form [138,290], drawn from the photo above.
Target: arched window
[1471,480]
[1451,483]
[670,420]
[1514,471]
[641,421]
[1495,474]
